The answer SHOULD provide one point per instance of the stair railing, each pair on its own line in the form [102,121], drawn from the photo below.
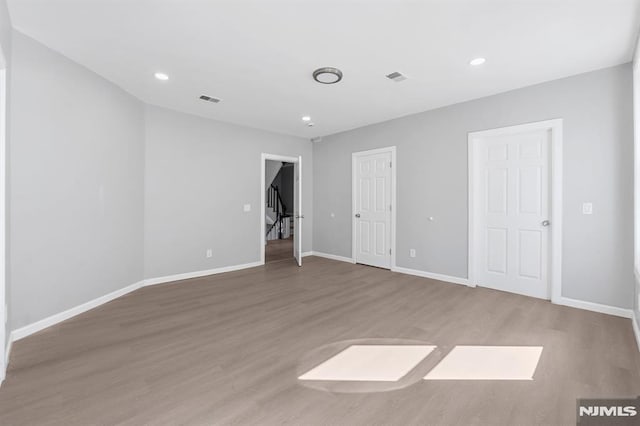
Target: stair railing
[274,201]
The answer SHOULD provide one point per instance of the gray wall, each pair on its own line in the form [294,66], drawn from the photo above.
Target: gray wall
[5,44]
[432,180]
[77,157]
[199,174]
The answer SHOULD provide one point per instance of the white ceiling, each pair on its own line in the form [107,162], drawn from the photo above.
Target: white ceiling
[258,55]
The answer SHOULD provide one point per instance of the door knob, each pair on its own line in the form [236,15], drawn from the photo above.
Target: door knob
[299,216]
[545,223]
[357,214]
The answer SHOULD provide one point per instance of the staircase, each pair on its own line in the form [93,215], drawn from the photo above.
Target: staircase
[280,224]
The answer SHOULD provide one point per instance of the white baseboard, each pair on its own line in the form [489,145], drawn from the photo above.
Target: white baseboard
[307,253]
[28,330]
[431,275]
[332,257]
[198,274]
[595,307]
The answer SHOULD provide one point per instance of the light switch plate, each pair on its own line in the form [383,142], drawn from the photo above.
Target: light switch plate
[587,208]
[247,207]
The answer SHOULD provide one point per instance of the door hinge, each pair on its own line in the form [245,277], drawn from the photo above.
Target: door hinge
[389,164]
[389,207]
[389,251]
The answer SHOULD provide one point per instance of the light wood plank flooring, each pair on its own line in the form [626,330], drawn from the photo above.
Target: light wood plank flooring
[277,250]
[224,350]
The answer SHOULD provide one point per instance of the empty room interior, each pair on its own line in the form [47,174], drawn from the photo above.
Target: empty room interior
[319,212]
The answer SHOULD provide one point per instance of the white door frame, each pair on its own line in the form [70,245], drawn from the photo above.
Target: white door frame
[394,167]
[4,360]
[263,189]
[555,150]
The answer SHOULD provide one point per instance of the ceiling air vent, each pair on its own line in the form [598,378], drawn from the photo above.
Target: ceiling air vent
[210,99]
[396,76]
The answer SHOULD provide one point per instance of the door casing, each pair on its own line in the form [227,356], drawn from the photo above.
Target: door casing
[555,248]
[298,229]
[394,168]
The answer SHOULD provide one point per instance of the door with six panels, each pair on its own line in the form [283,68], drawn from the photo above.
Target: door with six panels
[372,208]
[512,208]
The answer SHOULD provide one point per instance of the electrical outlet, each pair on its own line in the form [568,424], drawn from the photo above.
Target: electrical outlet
[587,208]
[412,253]
[209,253]
[247,207]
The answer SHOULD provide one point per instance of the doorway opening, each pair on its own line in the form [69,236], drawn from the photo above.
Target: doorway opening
[279,219]
[281,205]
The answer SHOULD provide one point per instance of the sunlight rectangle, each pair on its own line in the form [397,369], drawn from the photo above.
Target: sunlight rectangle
[384,363]
[488,363]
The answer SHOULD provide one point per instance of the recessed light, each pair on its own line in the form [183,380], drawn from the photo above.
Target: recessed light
[327,75]
[161,76]
[306,118]
[477,61]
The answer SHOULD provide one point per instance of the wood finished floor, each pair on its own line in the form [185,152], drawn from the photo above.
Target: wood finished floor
[224,349]
[277,250]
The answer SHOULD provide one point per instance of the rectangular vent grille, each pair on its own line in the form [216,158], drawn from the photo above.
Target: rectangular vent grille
[210,99]
[396,76]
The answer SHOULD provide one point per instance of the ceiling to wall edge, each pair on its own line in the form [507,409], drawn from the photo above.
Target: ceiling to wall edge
[319,138]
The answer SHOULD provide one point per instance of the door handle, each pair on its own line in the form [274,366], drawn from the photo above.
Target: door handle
[299,216]
[357,214]
[545,223]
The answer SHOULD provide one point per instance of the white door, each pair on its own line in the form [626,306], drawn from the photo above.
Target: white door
[297,211]
[372,209]
[512,207]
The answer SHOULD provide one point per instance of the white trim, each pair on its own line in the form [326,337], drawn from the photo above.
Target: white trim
[394,198]
[307,253]
[636,329]
[332,257]
[198,274]
[7,353]
[3,215]
[263,159]
[30,329]
[431,275]
[595,307]
[555,250]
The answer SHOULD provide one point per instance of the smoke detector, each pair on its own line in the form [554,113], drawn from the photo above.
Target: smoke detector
[396,76]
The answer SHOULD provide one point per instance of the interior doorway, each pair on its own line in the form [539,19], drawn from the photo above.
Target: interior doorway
[279,220]
[281,206]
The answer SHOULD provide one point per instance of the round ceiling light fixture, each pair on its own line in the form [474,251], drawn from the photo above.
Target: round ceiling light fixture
[327,75]
[477,61]
[306,118]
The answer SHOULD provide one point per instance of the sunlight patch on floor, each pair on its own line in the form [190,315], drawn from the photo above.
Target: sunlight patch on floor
[386,363]
[487,363]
